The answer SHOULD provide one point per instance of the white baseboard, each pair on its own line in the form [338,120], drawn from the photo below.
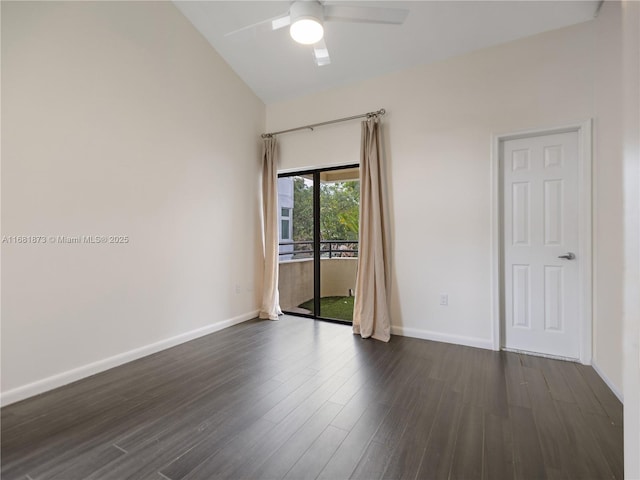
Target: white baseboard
[609,383]
[443,337]
[64,378]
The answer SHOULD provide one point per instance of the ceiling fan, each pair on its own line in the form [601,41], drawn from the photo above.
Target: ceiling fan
[305,19]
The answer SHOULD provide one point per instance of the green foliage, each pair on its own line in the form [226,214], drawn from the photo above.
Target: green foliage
[339,210]
[302,210]
[350,219]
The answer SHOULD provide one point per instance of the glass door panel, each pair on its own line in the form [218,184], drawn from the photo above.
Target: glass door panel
[339,222]
[296,243]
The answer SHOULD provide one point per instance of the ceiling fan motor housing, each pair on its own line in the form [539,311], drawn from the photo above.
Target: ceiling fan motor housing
[311,10]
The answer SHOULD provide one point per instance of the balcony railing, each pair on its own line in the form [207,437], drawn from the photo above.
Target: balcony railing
[328,248]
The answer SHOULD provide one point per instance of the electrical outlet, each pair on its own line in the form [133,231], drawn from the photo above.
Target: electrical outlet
[444,299]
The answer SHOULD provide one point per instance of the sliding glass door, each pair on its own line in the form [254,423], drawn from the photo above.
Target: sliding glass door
[318,225]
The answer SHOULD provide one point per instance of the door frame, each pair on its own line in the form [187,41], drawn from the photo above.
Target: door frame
[585,252]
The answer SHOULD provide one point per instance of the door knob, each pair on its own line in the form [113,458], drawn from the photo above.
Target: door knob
[568,256]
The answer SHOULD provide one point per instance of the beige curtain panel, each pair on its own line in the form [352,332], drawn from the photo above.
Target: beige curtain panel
[270,297]
[371,316]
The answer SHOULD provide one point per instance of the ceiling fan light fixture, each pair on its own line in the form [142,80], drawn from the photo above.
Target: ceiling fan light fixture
[306,22]
[306,31]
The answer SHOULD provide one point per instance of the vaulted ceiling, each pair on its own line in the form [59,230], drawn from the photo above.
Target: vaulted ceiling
[277,68]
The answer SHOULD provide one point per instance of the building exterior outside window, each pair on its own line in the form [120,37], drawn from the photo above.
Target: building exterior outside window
[285,217]
[286,227]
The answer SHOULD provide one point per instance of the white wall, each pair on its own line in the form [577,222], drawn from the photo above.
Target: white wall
[617,212]
[608,194]
[438,138]
[617,141]
[118,118]
[630,12]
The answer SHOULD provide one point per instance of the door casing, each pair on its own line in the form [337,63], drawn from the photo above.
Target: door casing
[585,308]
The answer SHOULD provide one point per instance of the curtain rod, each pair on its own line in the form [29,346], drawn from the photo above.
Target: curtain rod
[311,127]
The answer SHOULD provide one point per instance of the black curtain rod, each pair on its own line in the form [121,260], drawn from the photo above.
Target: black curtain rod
[312,126]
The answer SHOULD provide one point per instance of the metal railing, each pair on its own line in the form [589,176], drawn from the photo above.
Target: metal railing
[328,248]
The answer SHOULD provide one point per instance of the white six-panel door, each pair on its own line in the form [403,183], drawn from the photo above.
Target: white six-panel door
[540,226]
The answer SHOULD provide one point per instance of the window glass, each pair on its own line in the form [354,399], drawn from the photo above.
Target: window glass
[284,229]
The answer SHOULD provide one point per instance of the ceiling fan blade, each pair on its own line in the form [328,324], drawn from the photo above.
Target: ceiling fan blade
[275,23]
[344,13]
[280,22]
[321,54]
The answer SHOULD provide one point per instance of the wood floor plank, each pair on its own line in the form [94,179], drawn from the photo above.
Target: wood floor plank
[586,455]
[176,439]
[212,445]
[605,396]
[387,378]
[583,394]
[283,459]
[552,436]
[249,425]
[610,439]
[461,372]
[439,369]
[558,388]
[438,452]
[556,474]
[345,460]
[63,446]
[373,463]
[351,387]
[299,398]
[354,408]
[254,457]
[495,399]
[205,413]
[82,466]
[407,457]
[231,454]
[517,393]
[313,461]
[498,448]
[468,453]
[400,416]
[299,395]
[475,370]
[532,361]
[528,459]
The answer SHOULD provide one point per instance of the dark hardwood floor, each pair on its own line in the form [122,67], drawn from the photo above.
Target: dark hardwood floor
[299,399]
